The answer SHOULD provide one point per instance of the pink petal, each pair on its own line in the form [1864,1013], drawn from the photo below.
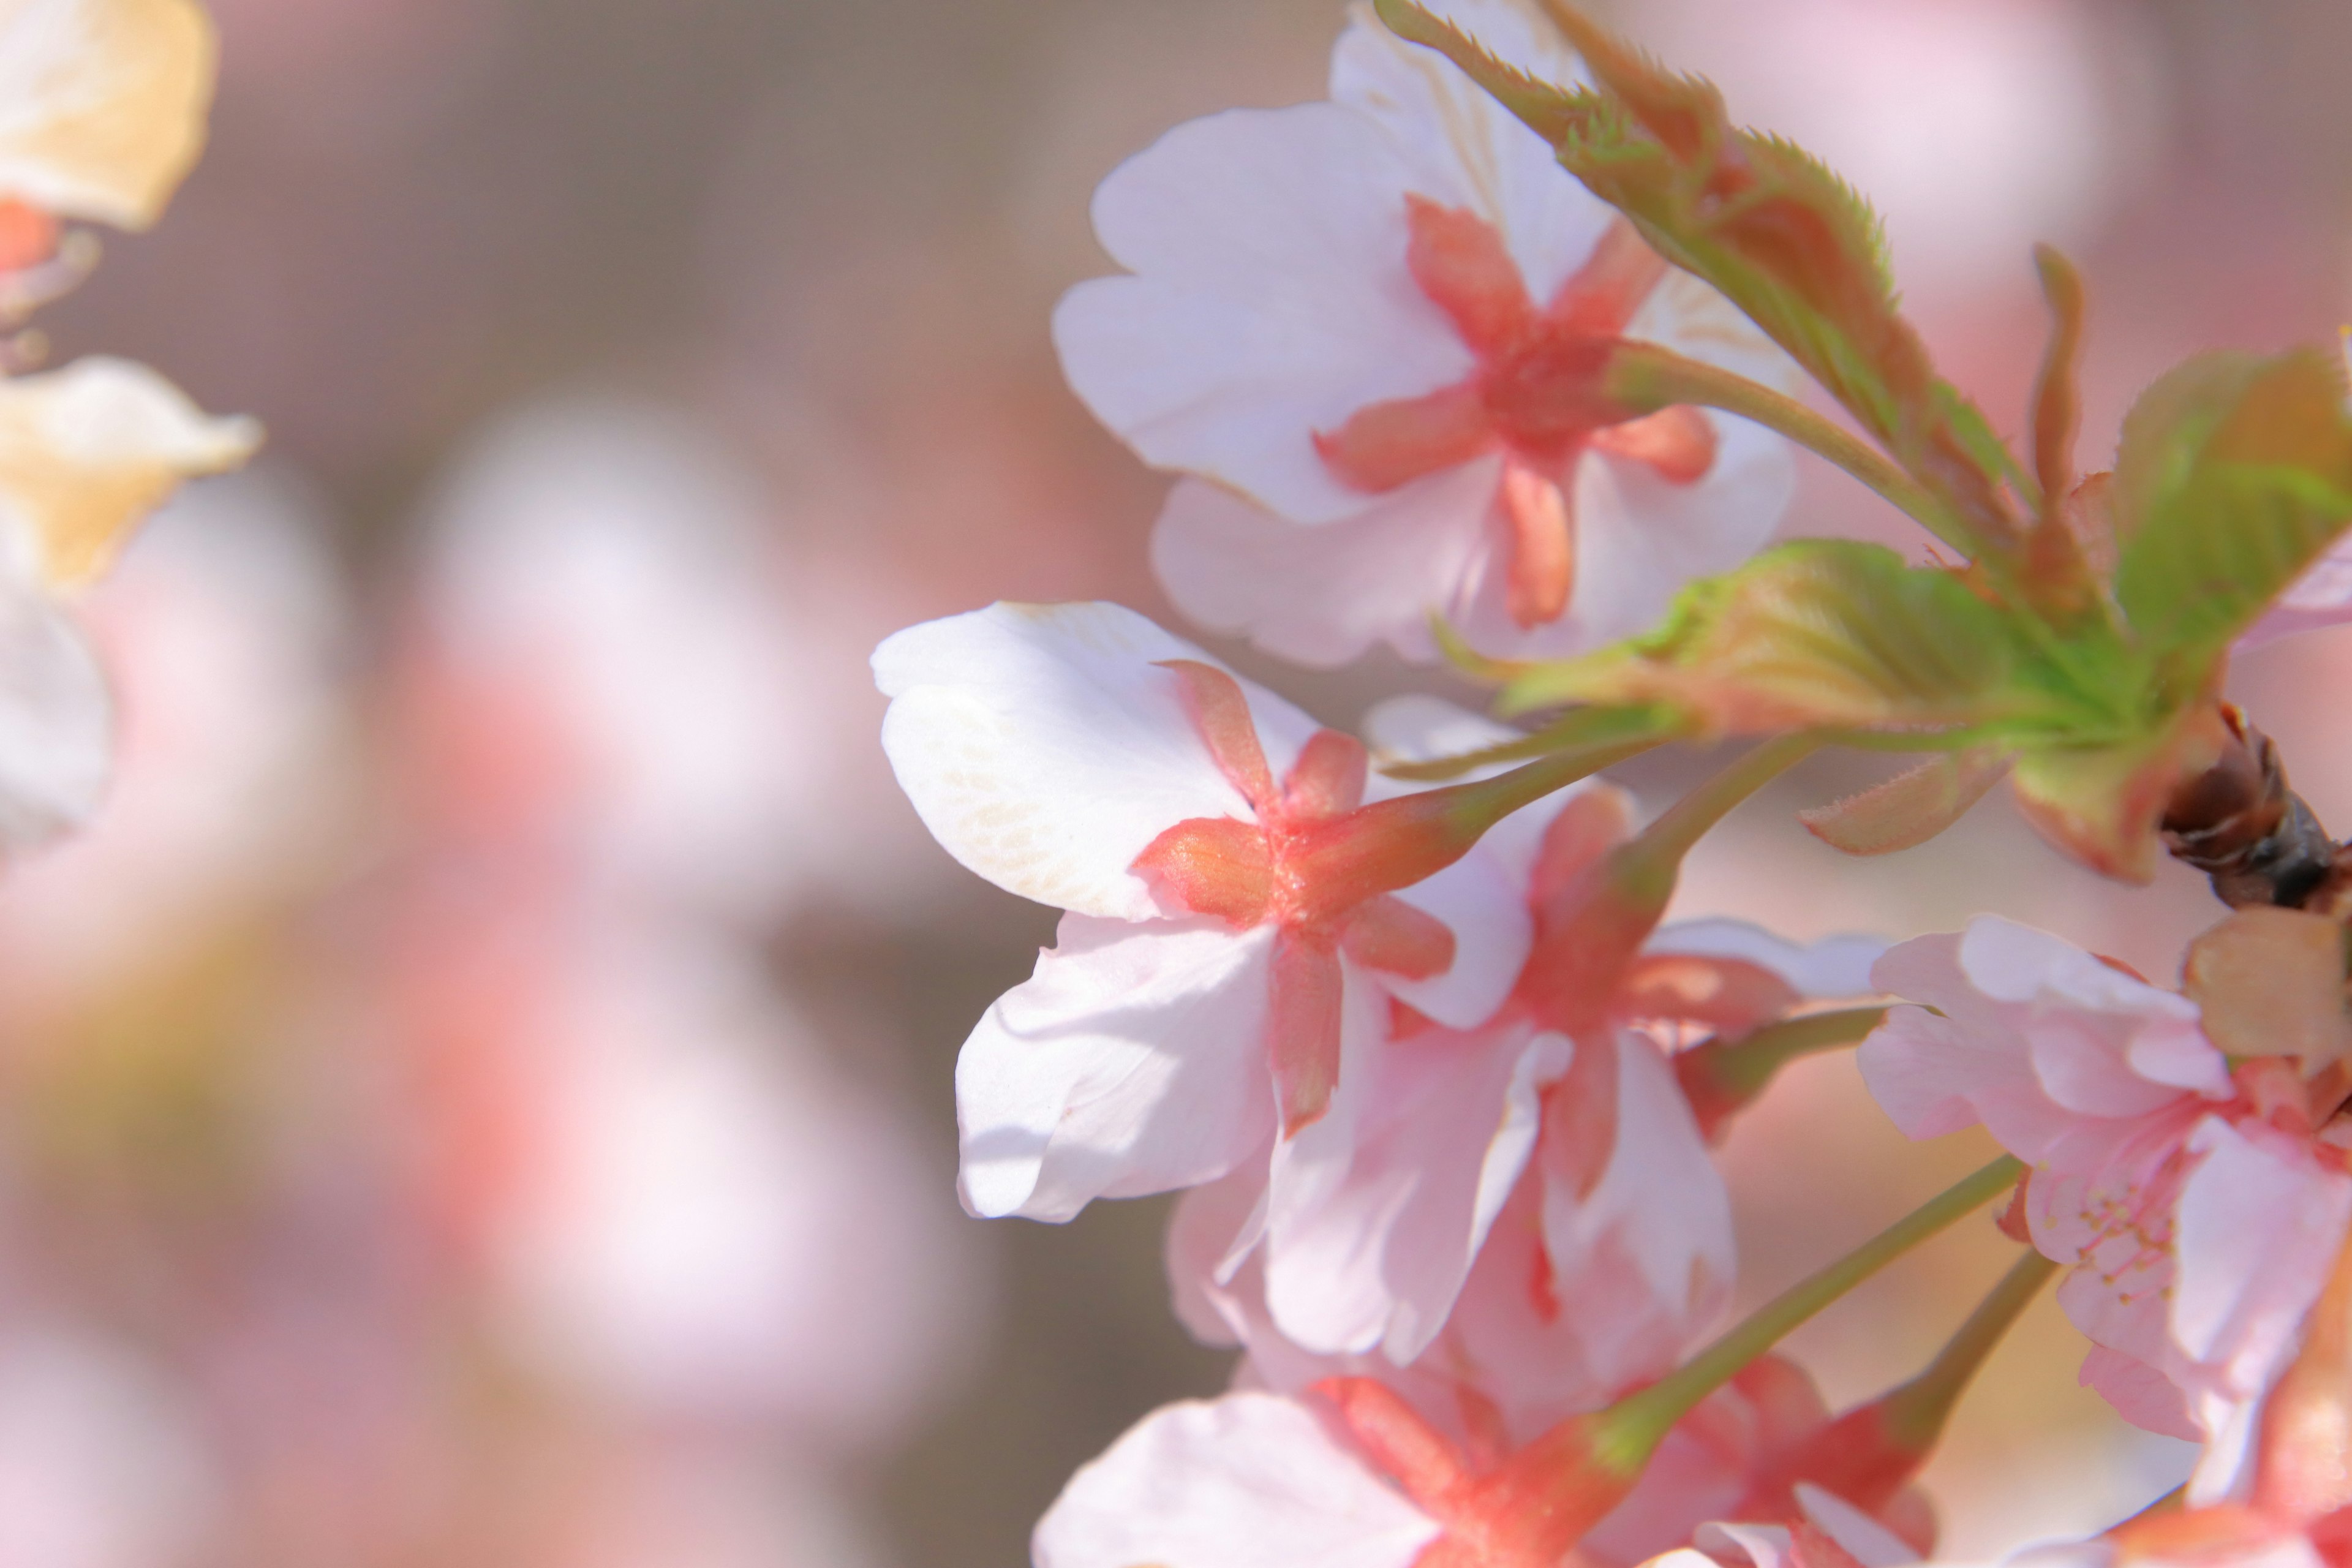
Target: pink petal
[1439,1137]
[1250,1480]
[2140,1394]
[1045,749]
[1646,1258]
[1270,299]
[1835,966]
[1134,1061]
[1323,595]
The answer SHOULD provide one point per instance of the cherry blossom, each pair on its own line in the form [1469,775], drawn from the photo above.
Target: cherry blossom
[1348,1476]
[85,452]
[106,104]
[600,620]
[1371,331]
[1560,1124]
[2196,1206]
[219,630]
[1511,1363]
[1230,951]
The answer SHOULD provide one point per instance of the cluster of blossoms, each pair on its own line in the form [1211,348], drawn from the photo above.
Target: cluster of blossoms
[1494,356]
[105,110]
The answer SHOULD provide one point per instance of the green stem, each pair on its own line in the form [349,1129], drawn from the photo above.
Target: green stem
[1582,730]
[1644,1419]
[1741,1067]
[1660,848]
[1916,1413]
[1645,376]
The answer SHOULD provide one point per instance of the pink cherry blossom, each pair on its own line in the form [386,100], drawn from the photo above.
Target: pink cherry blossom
[2195,1206]
[1565,1142]
[1371,331]
[1346,1475]
[1250,1480]
[1228,960]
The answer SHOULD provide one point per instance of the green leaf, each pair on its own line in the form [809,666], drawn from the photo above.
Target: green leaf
[1784,238]
[2234,474]
[2101,803]
[1813,634]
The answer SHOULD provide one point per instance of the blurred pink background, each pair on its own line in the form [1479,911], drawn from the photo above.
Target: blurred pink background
[481,1095]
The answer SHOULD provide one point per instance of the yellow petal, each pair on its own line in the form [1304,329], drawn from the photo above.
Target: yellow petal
[102,104]
[88,451]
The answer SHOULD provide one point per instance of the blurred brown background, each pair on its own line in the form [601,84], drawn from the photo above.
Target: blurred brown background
[829,234]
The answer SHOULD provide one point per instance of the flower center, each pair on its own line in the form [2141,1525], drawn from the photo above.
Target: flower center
[1539,394]
[1307,866]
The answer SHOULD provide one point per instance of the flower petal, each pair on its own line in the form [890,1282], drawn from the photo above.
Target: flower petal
[1641,536]
[1325,595]
[57,719]
[1270,299]
[1250,1480]
[88,451]
[1834,966]
[1444,1127]
[1046,750]
[1133,1061]
[105,104]
[1463,147]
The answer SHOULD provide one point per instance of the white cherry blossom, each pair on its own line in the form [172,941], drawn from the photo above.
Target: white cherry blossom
[1371,330]
[1229,955]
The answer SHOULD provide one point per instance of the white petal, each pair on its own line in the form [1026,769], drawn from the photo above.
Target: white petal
[1251,1480]
[1270,299]
[1045,752]
[88,451]
[1833,967]
[1132,1062]
[1641,537]
[1486,911]
[2259,1224]
[104,104]
[1465,148]
[1439,1141]
[1661,1198]
[56,720]
[1865,1539]
[1325,595]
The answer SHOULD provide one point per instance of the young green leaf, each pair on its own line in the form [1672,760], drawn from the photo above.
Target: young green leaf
[1813,634]
[2101,803]
[2234,474]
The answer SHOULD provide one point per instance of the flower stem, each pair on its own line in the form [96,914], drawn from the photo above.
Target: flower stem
[1656,853]
[1646,376]
[1916,1413]
[1640,1422]
[1720,1076]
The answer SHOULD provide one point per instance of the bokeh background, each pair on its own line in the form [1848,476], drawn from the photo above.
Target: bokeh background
[481,1095]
